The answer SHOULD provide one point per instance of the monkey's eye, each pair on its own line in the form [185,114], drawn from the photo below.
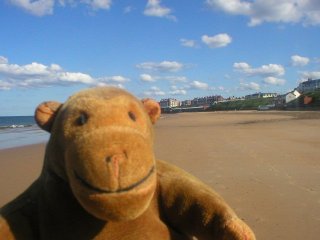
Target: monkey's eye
[82,119]
[132,116]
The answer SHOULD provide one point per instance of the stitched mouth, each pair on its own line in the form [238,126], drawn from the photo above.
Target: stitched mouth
[126,189]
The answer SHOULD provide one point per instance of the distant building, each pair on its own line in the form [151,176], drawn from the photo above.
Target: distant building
[290,96]
[280,100]
[219,98]
[231,99]
[309,85]
[169,102]
[206,100]
[186,103]
[261,95]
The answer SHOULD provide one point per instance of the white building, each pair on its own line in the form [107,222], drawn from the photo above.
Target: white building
[292,96]
[261,95]
[169,102]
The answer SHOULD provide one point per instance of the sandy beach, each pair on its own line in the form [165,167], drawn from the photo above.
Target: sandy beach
[265,164]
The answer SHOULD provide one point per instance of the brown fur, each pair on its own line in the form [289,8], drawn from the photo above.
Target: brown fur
[100,179]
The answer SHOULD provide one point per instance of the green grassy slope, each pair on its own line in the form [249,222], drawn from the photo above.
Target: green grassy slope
[251,104]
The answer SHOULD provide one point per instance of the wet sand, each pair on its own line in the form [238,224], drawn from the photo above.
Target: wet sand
[265,164]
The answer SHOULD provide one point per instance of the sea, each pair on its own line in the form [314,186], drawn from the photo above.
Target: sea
[20,131]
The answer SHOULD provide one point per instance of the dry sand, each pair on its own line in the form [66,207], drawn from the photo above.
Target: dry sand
[265,164]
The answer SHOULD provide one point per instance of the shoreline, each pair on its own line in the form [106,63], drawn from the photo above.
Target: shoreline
[17,137]
[264,164]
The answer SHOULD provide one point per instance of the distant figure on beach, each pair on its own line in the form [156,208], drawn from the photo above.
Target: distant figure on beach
[100,179]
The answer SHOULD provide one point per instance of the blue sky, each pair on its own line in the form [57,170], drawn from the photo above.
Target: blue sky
[50,49]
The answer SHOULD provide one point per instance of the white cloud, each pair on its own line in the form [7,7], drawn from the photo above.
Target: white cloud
[188,43]
[313,17]
[3,60]
[73,77]
[288,11]
[199,85]
[309,75]
[231,6]
[46,7]
[98,4]
[147,78]
[176,79]
[177,91]
[102,84]
[172,79]
[36,7]
[33,69]
[264,70]
[297,60]
[249,86]
[40,75]
[55,67]
[165,66]
[154,9]
[243,66]
[116,79]
[154,91]
[5,85]
[217,41]
[274,81]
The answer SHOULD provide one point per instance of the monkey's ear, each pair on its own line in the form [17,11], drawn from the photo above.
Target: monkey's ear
[153,109]
[45,114]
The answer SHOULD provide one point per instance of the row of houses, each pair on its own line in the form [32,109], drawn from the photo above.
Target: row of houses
[279,99]
[202,101]
[304,87]
[261,95]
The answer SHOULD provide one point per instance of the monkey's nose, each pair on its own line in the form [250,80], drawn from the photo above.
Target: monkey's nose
[116,158]
[114,161]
